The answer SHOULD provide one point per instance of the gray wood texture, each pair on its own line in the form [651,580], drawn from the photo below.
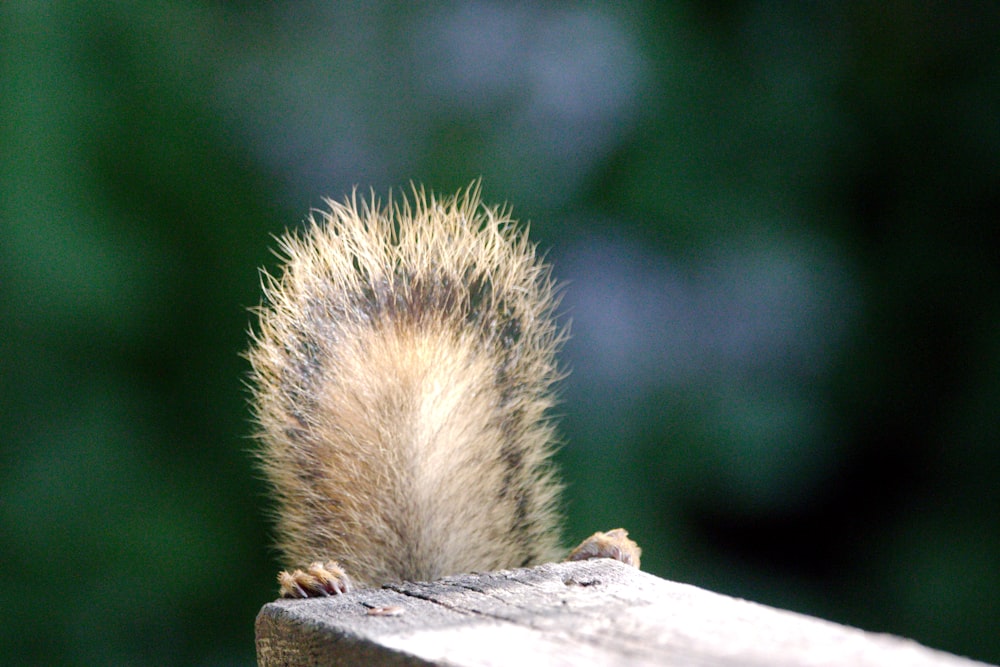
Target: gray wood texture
[597,612]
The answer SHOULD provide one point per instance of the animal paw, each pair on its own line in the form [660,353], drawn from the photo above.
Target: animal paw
[317,580]
[612,544]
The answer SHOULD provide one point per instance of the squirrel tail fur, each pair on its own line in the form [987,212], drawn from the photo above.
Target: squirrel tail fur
[402,376]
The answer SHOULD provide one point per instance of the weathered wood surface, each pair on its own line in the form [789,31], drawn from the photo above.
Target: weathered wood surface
[596,612]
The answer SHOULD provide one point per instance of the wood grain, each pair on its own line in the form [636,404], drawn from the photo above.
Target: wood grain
[597,612]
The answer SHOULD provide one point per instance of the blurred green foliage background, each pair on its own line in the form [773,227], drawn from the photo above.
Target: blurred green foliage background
[775,222]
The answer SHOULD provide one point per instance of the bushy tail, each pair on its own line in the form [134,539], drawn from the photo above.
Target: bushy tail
[401,375]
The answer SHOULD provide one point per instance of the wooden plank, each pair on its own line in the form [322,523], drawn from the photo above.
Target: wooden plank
[597,612]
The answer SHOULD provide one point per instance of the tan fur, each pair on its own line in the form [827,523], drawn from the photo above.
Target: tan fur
[401,374]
